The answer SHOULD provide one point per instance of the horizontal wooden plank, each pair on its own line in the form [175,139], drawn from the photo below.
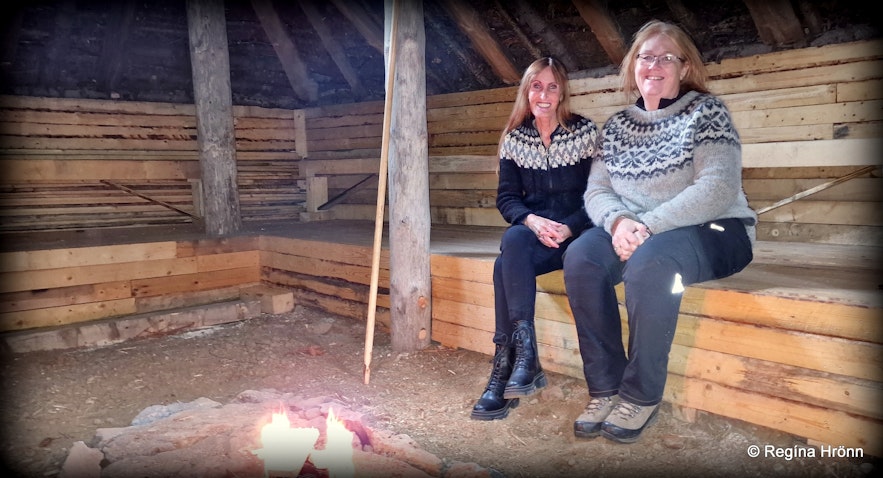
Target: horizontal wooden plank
[827,426]
[64,315]
[835,152]
[62,296]
[831,391]
[823,212]
[792,232]
[94,274]
[219,262]
[330,268]
[18,171]
[66,258]
[357,293]
[184,299]
[200,281]
[799,58]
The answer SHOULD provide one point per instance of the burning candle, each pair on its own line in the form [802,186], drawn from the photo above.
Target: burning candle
[285,449]
[337,457]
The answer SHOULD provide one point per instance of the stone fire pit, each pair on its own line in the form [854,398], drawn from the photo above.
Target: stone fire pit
[206,439]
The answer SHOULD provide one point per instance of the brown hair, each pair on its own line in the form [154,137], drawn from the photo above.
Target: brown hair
[521,109]
[697,74]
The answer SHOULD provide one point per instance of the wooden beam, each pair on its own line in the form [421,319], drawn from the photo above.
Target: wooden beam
[776,22]
[483,40]
[332,46]
[553,44]
[213,97]
[470,65]
[410,290]
[516,28]
[363,21]
[148,198]
[604,26]
[295,69]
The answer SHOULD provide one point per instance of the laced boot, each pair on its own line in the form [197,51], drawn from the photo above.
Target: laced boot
[626,422]
[588,424]
[491,405]
[527,374]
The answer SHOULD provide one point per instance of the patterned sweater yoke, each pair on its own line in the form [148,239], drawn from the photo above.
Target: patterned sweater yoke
[673,167]
[525,147]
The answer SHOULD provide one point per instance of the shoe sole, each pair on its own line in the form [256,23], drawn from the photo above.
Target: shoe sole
[494,414]
[637,433]
[527,390]
[585,434]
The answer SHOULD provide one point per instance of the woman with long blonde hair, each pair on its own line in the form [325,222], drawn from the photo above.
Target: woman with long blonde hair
[545,153]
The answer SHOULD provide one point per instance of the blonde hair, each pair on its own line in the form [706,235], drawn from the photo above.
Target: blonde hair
[521,109]
[697,74]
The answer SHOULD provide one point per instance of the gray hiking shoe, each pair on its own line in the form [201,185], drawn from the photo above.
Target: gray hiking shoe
[588,424]
[627,420]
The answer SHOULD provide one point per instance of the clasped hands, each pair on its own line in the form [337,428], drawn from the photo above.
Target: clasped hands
[628,234]
[550,233]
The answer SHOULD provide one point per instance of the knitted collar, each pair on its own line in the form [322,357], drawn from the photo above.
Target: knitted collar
[663,103]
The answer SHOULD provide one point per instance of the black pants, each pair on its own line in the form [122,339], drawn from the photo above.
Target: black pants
[652,277]
[522,258]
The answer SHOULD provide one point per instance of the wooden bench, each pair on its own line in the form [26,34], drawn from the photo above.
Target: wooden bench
[792,343]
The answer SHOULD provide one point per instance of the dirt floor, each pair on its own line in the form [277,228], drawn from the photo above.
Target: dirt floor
[52,399]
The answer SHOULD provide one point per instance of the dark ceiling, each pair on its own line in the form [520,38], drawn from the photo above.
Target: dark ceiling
[139,50]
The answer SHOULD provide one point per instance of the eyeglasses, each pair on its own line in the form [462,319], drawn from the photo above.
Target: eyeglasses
[662,60]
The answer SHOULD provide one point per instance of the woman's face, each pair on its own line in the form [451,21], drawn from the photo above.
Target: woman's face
[544,94]
[659,70]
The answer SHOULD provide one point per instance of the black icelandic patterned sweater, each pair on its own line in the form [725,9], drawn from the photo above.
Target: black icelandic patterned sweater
[677,166]
[548,182]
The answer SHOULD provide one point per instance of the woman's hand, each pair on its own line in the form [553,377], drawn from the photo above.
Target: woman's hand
[628,234]
[550,233]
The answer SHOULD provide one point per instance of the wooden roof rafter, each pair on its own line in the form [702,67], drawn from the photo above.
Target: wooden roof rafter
[777,23]
[483,40]
[550,39]
[295,69]
[604,26]
[333,47]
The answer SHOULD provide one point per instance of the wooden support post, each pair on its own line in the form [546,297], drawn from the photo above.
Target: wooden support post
[213,96]
[317,192]
[300,133]
[409,214]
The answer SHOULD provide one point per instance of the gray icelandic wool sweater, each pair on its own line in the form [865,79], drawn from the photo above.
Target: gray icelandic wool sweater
[673,167]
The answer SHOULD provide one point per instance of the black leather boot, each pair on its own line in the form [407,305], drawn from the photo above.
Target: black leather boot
[527,374]
[491,405]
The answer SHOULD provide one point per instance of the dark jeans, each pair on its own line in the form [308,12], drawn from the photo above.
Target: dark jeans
[522,258]
[592,269]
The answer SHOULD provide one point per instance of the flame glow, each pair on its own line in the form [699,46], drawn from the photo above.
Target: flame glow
[337,457]
[284,448]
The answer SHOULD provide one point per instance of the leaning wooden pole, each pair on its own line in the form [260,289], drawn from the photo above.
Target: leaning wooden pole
[381,196]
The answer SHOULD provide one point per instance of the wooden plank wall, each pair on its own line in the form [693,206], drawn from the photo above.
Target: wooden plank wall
[806,117]
[62,159]
[52,287]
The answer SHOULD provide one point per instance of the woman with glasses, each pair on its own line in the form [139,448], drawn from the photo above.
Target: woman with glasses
[666,195]
[545,153]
